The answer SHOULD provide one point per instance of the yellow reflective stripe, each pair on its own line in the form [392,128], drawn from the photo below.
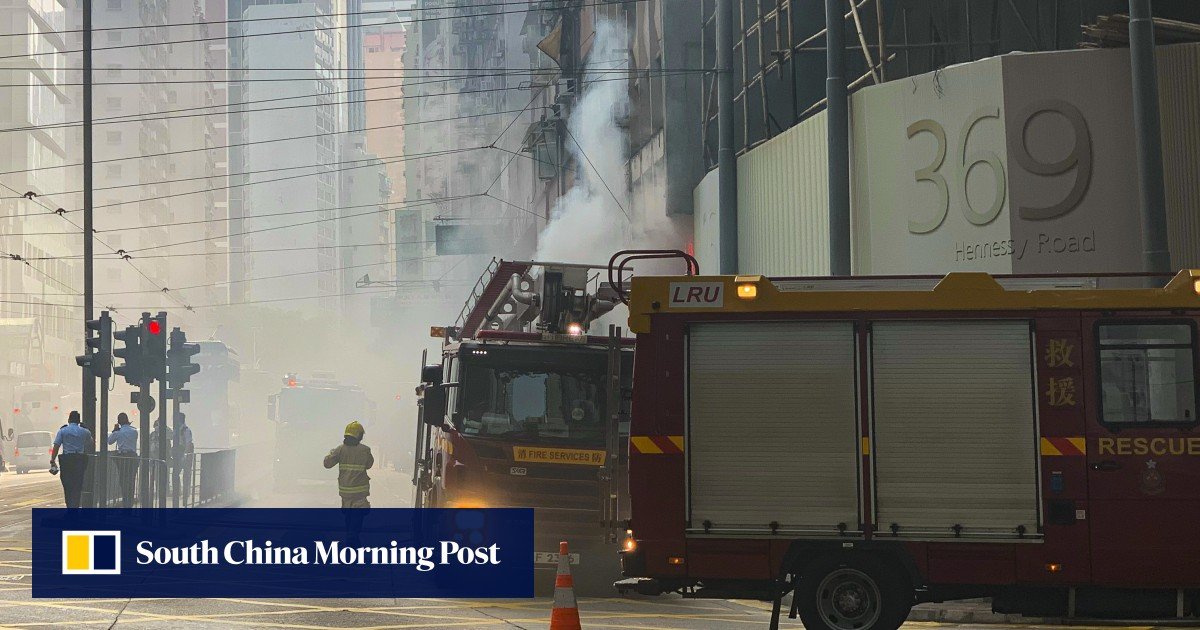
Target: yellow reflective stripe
[354,489]
[1048,449]
[644,444]
[677,440]
[353,466]
[866,446]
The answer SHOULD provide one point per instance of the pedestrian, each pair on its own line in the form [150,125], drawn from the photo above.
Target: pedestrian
[158,458]
[353,459]
[125,437]
[182,454]
[73,441]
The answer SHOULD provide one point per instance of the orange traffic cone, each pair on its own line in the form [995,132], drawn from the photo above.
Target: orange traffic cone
[565,615]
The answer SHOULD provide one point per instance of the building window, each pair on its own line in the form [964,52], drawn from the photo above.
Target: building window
[113,102]
[114,69]
[114,37]
[114,137]
[114,5]
[1147,373]
[113,170]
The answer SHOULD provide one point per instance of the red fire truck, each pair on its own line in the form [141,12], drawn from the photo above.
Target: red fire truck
[525,410]
[871,443]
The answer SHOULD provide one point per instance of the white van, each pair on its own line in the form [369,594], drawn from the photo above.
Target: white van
[32,451]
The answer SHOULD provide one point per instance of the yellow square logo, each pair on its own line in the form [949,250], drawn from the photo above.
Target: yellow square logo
[91,552]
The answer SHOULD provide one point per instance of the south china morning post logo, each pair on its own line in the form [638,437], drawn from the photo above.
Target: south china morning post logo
[91,553]
[284,552]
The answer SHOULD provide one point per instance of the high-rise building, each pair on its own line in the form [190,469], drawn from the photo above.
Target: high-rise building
[40,322]
[384,63]
[158,141]
[293,175]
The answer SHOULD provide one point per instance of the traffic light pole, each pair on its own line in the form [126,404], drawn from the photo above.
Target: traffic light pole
[102,477]
[156,351]
[163,449]
[179,370]
[144,408]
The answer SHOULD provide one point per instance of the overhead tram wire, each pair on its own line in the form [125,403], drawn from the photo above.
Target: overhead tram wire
[28,263]
[383,159]
[150,226]
[277,276]
[255,183]
[468,69]
[270,250]
[311,30]
[366,76]
[130,27]
[417,203]
[143,117]
[268,141]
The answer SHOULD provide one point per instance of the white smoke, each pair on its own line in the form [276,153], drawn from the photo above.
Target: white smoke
[587,224]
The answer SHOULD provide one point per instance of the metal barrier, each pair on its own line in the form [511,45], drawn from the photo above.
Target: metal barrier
[208,477]
[124,479]
[202,478]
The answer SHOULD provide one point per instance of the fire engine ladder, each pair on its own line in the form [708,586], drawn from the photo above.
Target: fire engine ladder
[485,292]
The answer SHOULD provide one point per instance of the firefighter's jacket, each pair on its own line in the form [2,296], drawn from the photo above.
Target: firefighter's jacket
[352,463]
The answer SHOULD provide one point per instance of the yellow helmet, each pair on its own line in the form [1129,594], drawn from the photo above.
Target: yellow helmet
[355,430]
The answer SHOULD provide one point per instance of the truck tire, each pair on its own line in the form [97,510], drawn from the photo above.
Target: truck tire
[853,592]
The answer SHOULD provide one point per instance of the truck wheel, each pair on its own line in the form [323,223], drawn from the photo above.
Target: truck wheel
[853,593]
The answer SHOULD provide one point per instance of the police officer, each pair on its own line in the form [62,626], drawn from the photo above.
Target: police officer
[182,453]
[125,437]
[353,459]
[72,440]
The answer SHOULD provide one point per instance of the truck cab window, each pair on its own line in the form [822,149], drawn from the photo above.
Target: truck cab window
[1147,373]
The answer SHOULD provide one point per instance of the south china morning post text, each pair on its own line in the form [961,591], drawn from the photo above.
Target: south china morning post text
[237,552]
[485,553]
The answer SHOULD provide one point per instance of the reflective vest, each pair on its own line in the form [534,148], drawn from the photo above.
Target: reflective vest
[352,463]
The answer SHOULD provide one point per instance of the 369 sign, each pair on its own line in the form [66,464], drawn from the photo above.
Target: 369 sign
[950,180]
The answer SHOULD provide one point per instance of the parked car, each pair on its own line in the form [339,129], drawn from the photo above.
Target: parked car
[32,451]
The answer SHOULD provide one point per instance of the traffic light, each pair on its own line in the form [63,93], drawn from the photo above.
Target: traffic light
[131,353]
[180,367]
[156,346]
[97,357]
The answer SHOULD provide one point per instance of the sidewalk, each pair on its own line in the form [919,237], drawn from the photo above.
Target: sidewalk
[967,611]
[979,611]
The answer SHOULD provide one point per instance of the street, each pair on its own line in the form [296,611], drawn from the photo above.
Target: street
[20,493]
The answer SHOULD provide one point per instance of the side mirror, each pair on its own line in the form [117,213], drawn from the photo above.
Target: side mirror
[272,404]
[433,404]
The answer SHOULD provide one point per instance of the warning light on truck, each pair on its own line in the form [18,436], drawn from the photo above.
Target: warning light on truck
[747,291]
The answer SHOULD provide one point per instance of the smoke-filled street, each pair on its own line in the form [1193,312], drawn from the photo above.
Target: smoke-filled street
[566,314]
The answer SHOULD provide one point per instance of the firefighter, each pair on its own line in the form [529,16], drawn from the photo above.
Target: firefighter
[125,437]
[73,440]
[353,459]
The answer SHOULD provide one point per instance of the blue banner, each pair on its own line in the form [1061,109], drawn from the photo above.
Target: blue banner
[283,553]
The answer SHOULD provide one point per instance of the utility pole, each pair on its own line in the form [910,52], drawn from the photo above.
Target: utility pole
[1148,132]
[727,196]
[838,141]
[89,380]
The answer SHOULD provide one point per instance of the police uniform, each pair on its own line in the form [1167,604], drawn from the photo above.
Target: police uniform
[125,437]
[182,455]
[70,443]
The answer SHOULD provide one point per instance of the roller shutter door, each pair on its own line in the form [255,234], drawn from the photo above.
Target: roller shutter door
[955,440]
[772,433]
